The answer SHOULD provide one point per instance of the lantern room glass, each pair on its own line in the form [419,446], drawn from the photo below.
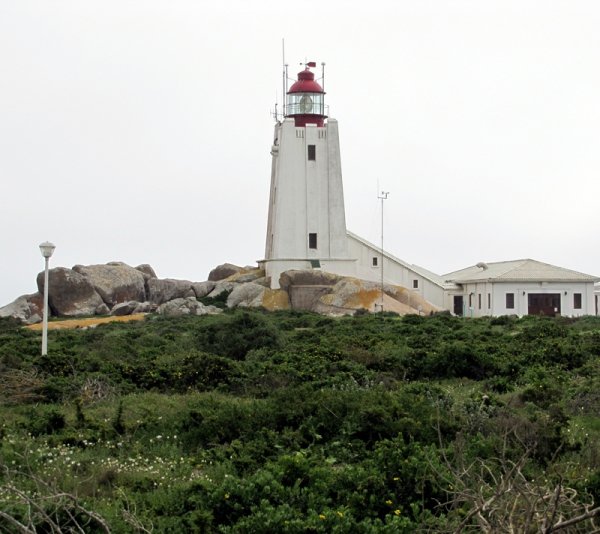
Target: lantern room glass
[305,104]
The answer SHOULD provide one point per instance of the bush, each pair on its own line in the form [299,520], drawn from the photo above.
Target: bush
[238,335]
[45,420]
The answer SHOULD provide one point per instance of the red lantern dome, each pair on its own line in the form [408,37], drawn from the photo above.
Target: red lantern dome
[305,100]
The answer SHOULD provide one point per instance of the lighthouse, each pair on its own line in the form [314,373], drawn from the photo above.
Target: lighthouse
[306,226]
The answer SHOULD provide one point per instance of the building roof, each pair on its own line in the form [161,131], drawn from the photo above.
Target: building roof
[428,275]
[526,270]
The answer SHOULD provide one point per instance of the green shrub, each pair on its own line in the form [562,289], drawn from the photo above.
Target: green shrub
[45,419]
[238,334]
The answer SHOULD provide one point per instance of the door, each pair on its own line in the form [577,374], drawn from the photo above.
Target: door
[458,305]
[543,304]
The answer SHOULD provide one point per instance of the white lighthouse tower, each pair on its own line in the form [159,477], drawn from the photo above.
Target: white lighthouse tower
[307,224]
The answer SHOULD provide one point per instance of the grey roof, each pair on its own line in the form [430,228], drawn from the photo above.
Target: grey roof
[517,271]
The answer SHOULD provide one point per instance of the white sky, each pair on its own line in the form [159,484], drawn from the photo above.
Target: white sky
[140,130]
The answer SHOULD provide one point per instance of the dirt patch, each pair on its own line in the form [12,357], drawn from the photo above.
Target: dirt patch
[87,323]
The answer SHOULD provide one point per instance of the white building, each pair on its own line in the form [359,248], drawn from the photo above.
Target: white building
[520,287]
[306,229]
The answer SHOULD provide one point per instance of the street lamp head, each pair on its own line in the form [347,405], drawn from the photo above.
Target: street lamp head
[47,249]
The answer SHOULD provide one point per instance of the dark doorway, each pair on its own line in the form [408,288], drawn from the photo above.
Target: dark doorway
[458,305]
[544,304]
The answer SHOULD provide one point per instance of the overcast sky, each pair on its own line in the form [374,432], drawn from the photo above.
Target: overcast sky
[140,130]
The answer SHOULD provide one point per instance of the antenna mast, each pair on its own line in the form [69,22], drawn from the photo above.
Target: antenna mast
[285,73]
[382,197]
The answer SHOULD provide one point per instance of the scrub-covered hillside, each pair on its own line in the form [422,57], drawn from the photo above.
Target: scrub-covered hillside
[292,422]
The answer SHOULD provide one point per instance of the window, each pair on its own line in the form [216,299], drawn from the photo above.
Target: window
[375,261]
[415,284]
[312,240]
[510,301]
[577,301]
[489,301]
[470,300]
[479,300]
[312,152]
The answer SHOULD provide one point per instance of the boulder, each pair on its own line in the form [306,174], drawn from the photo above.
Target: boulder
[115,282]
[164,290]
[248,295]
[223,271]
[326,293]
[263,281]
[147,271]
[26,308]
[351,294]
[307,298]
[103,309]
[221,287]
[124,308]
[247,274]
[307,278]
[145,307]
[201,289]
[186,306]
[275,299]
[70,294]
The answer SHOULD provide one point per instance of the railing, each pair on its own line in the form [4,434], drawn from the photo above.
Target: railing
[299,108]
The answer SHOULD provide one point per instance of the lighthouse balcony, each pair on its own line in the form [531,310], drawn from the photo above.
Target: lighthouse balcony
[302,108]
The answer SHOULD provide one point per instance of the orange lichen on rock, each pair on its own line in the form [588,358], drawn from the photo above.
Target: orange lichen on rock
[364,298]
[276,299]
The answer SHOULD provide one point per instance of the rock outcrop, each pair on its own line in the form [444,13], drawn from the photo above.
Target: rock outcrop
[187,306]
[202,289]
[164,290]
[26,308]
[246,275]
[118,289]
[253,295]
[223,271]
[125,308]
[115,283]
[247,295]
[336,295]
[147,271]
[307,278]
[221,287]
[70,294]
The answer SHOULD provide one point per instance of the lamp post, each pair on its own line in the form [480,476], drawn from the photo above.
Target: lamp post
[47,249]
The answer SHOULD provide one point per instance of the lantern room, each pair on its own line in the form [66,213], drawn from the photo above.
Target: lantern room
[306,100]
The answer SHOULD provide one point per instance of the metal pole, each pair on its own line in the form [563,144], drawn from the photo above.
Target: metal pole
[382,197]
[45,325]
[284,96]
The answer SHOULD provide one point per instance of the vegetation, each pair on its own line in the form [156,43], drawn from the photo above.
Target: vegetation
[292,422]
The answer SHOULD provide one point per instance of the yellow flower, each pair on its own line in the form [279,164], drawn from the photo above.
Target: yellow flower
[340,514]
[397,512]
[322,517]
[388,502]
[396,478]
[226,496]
